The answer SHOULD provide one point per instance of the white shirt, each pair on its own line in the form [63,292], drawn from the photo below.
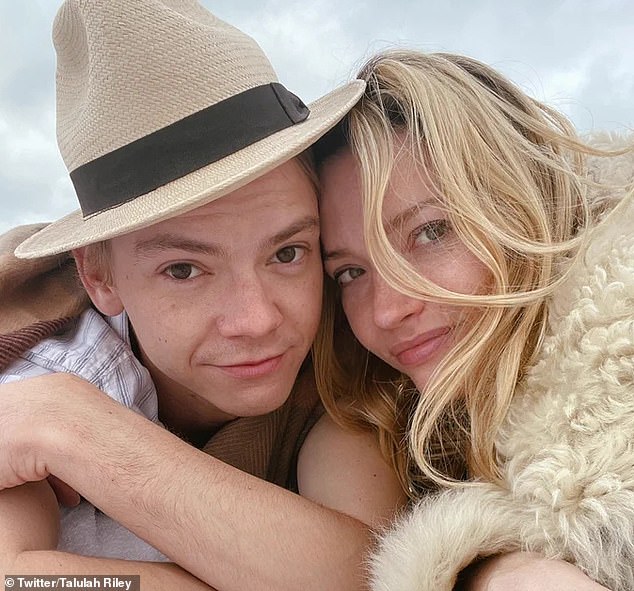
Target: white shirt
[98,350]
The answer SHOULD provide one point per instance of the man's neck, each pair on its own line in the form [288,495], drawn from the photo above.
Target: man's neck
[182,411]
[188,416]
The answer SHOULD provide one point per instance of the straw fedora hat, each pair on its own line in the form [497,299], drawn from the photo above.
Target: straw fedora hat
[161,108]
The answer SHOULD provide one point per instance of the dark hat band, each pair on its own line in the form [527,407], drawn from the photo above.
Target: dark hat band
[185,146]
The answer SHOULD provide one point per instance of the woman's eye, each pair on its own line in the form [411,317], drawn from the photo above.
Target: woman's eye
[430,232]
[290,254]
[347,275]
[182,271]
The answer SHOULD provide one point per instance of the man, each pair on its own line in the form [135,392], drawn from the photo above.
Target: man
[198,244]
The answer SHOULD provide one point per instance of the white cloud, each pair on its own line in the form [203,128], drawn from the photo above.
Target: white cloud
[575,54]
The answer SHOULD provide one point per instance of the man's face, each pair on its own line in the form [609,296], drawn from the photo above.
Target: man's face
[225,300]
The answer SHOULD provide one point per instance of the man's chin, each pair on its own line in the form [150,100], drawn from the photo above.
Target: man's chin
[245,393]
[256,401]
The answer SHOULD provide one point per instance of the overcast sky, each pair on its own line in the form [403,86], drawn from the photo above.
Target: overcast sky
[577,55]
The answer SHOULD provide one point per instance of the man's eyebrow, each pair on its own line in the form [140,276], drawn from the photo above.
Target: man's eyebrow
[309,222]
[161,242]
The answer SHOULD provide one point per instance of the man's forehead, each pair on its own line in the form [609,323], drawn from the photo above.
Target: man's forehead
[287,184]
[277,203]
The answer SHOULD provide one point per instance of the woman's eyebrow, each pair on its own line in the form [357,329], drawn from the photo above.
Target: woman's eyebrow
[327,255]
[400,219]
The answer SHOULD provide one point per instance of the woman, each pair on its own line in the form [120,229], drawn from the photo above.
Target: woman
[449,200]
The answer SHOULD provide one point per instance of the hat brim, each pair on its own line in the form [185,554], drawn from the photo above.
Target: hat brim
[199,187]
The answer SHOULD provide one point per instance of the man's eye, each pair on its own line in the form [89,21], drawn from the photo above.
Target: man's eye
[290,254]
[430,232]
[348,275]
[182,271]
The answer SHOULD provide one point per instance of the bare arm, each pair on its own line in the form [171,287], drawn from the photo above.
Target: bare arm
[345,471]
[159,576]
[29,521]
[232,530]
[29,527]
[525,571]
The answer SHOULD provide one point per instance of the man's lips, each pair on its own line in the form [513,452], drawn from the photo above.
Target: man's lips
[417,350]
[252,368]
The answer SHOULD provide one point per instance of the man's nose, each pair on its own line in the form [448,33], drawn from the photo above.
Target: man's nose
[389,306]
[250,309]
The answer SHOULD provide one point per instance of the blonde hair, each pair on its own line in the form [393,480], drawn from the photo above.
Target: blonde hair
[510,171]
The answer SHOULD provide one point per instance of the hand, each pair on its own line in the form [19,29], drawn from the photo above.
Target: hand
[30,412]
[525,571]
[18,462]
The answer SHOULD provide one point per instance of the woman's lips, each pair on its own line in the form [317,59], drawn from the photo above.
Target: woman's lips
[418,350]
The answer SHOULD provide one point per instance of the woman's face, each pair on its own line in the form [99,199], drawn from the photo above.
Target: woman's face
[409,334]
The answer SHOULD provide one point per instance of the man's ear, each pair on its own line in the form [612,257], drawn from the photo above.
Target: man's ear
[98,283]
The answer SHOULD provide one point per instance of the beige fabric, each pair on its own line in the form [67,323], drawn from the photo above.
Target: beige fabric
[38,290]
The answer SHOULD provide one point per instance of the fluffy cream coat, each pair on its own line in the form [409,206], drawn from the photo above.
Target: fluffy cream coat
[568,441]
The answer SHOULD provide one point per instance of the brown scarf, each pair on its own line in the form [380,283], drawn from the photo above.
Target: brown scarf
[39,297]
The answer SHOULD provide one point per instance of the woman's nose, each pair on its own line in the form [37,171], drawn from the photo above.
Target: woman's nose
[389,306]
